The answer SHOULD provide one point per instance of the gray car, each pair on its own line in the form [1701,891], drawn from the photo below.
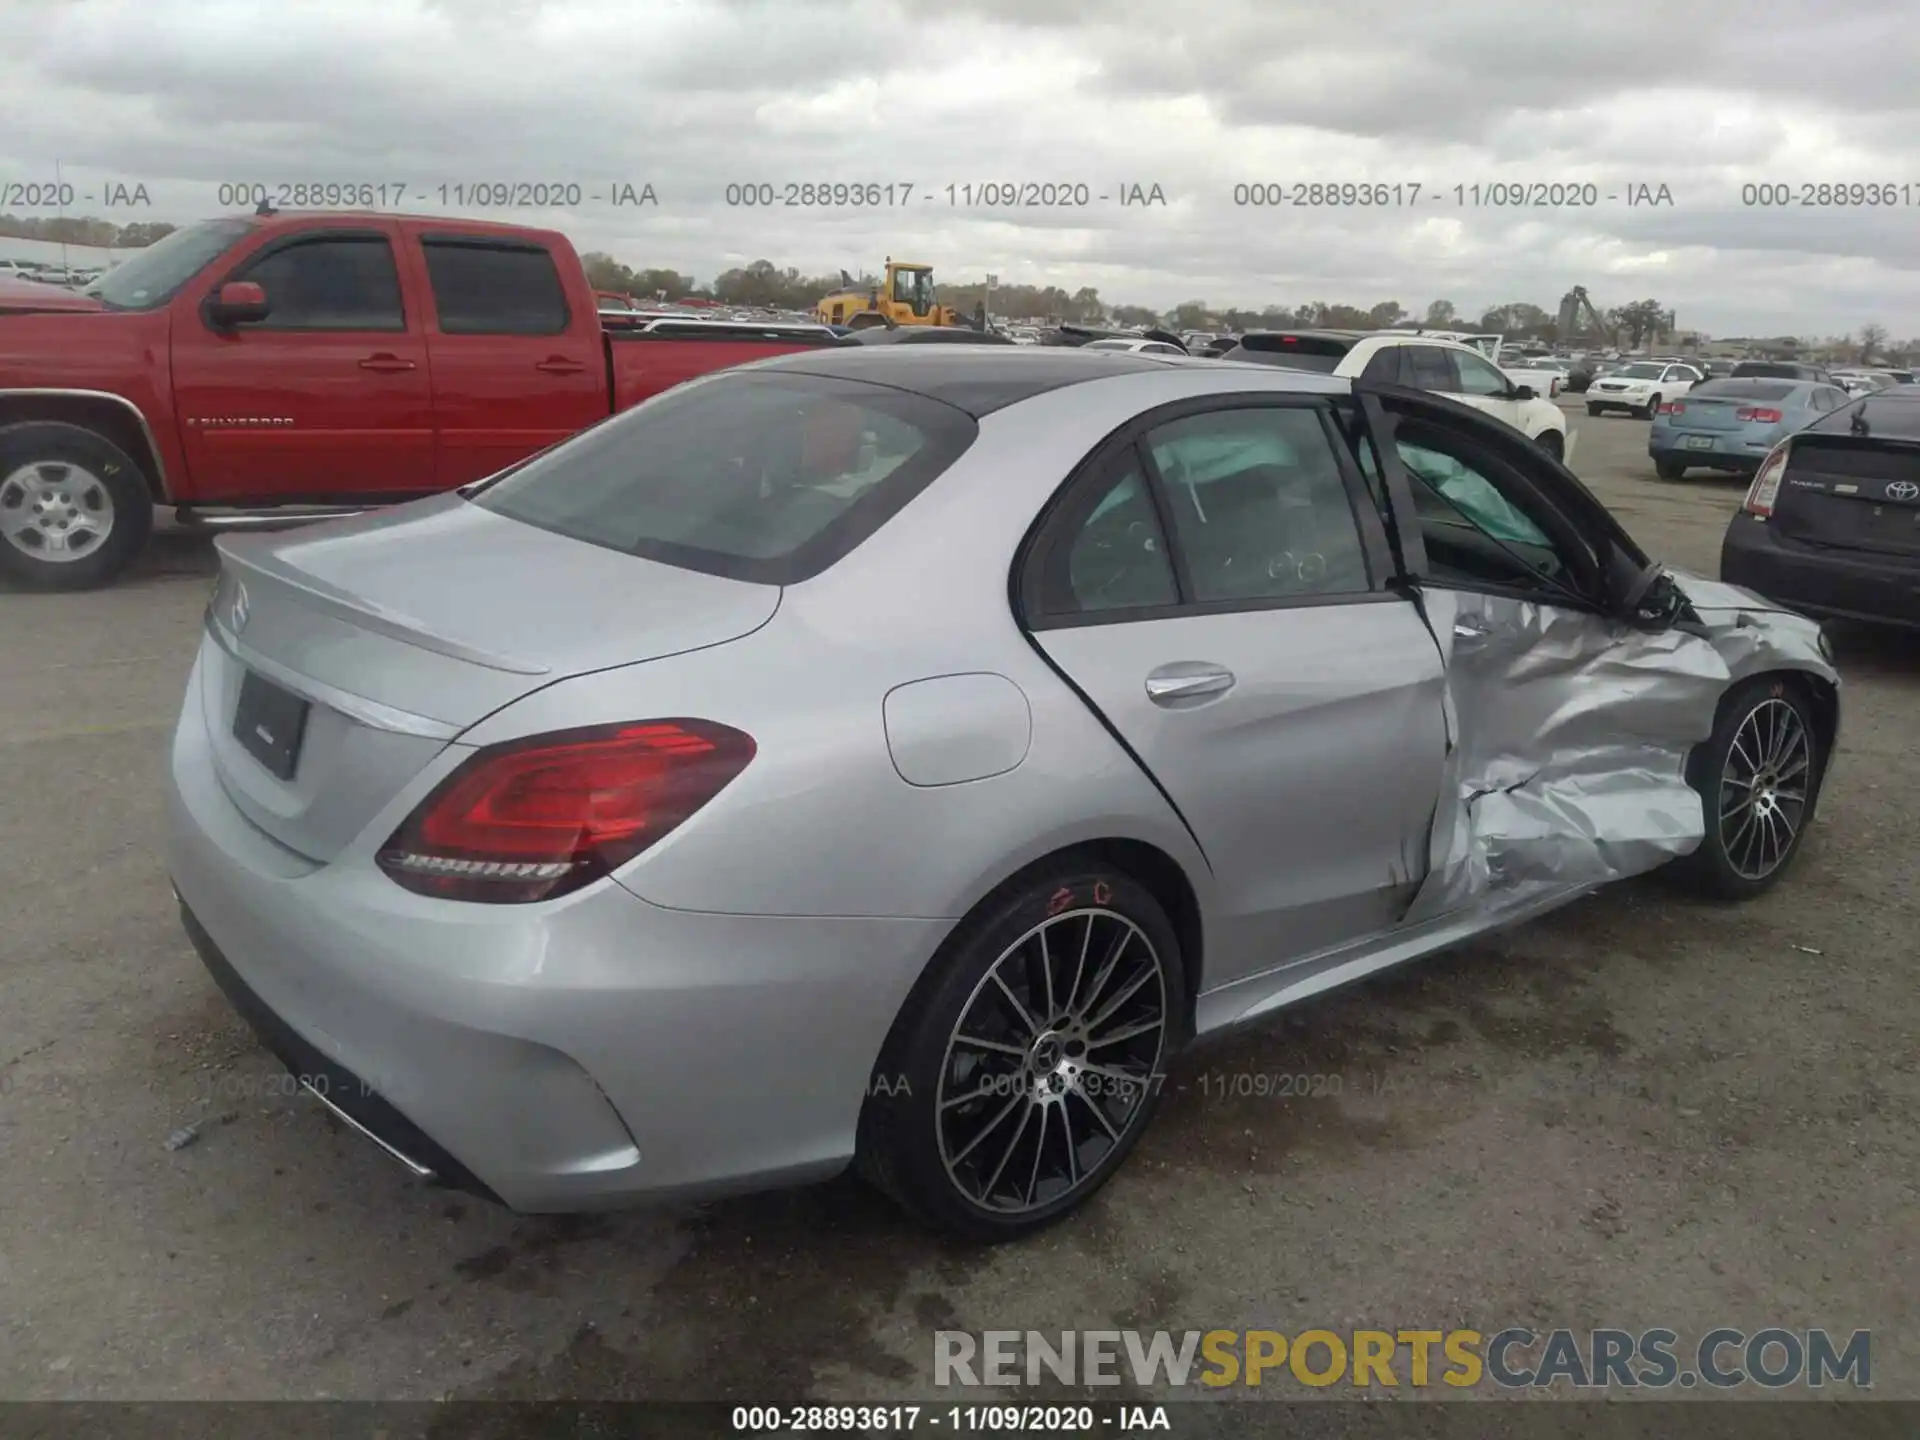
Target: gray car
[1733,424]
[895,756]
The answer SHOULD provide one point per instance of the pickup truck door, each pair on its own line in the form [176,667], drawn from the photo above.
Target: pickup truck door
[519,359]
[327,398]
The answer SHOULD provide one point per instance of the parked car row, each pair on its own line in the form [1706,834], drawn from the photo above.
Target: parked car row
[74,277]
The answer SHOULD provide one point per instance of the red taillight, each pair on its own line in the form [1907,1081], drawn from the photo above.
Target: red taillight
[1673,407]
[1766,482]
[1760,413]
[532,819]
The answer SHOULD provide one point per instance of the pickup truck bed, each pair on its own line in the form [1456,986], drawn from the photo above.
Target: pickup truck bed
[312,359]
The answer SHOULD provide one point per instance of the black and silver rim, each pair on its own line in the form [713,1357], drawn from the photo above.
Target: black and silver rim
[1051,1059]
[1763,789]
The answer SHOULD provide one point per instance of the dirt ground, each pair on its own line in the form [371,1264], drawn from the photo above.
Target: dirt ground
[1643,1111]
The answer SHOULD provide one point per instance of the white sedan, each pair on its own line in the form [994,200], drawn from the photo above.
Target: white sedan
[1642,388]
[1136,347]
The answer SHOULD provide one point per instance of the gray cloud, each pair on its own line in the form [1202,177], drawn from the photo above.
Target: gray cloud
[691,95]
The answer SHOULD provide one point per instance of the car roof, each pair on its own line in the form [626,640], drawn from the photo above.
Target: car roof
[984,378]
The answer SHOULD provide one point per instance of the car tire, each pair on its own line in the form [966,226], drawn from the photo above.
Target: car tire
[1651,409]
[1771,718]
[1593,409]
[59,482]
[1038,1132]
[1554,443]
[1668,469]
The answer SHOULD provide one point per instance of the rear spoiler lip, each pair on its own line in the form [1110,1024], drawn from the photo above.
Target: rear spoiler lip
[250,554]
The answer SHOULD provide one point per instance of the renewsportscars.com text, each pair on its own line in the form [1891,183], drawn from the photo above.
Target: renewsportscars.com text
[1515,1358]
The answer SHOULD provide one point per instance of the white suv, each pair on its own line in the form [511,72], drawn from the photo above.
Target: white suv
[1421,362]
[1642,387]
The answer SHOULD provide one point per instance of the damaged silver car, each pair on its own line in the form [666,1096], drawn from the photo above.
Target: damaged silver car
[893,756]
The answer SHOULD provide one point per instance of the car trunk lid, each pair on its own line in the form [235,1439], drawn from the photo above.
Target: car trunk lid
[1852,492]
[1711,412]
[399,630]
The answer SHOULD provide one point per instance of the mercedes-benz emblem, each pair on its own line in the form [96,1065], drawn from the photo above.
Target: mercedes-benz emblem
[1903,490]
[237,615]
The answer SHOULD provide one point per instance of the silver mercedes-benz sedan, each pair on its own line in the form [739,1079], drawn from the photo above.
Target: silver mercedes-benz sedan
[893,756]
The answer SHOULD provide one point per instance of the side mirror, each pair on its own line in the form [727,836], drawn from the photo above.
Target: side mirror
[1652,599]
[1523,392]
[238,302]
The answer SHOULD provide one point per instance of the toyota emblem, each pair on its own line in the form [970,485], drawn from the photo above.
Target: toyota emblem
[237,616]
[1903,490]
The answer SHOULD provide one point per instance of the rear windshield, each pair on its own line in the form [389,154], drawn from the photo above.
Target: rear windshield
[767,478]
[1319,353]
[1744,389]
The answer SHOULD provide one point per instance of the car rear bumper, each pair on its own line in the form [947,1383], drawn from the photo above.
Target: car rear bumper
[570,1055]
[1727,452]
[1833,584]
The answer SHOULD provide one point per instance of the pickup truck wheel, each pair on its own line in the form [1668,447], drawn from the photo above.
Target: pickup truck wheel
[74,507]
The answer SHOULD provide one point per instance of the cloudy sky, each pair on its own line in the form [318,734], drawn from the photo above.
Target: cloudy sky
[1198,98]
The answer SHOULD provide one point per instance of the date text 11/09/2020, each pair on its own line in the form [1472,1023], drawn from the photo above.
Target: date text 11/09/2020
[956,195]
[1474,195]
[462,194]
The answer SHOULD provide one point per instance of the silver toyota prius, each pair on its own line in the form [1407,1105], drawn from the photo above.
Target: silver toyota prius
[893,756]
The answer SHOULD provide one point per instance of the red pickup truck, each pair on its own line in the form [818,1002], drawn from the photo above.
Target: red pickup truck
[318,359]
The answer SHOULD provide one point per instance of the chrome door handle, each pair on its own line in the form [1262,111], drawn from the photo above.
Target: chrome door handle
[1187,681]
[1469,630]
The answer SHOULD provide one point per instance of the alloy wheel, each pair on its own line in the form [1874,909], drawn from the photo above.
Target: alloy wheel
[55,510]
[1764,785]
[1051,1060]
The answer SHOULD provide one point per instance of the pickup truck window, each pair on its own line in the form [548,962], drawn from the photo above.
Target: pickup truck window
[486,287]
[330,282]
[150,277]
[1431,368]
[765,478]
[1477,377]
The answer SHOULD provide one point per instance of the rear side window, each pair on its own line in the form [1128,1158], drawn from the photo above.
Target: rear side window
[1117,556]
[1429,368]
[489,288]
[334,282]
[1258,505]
[767,478]
[1387,366]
